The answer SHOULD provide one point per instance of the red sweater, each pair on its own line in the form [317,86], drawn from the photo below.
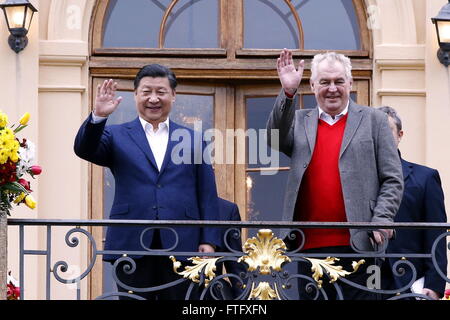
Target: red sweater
[320,195]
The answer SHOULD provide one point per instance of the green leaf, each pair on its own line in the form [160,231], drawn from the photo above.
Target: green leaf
[15,187]
[20,128]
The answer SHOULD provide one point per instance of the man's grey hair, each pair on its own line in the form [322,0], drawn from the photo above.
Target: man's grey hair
[393,114]
[331,57]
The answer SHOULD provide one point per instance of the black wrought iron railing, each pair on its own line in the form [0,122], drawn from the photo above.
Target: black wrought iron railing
[270,269]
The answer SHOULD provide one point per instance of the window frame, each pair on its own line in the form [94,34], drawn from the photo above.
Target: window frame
[231,34]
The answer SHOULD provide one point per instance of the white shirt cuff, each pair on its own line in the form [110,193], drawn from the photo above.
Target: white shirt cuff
[97,119]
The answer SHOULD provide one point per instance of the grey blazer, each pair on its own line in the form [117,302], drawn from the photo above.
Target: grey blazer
[369,164]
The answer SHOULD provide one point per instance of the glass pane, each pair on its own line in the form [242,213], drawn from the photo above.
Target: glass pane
[330,25]
[260,207]
[258,153]
[133,24]
[309,100]
[15,16]
[189,108]
[193,24]
[269,24]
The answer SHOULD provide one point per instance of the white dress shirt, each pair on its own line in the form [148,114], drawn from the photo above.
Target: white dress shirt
[157,140]
[329,119]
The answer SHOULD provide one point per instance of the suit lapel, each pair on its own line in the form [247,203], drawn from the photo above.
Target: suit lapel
[353,121]
[172,126]
[137,134]
[406,168]
[311,122]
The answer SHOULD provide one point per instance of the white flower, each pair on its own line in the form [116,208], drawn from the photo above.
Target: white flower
[10,279]
[26,158]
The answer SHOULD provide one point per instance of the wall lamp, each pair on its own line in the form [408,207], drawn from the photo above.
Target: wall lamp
[442,23]
[18,14]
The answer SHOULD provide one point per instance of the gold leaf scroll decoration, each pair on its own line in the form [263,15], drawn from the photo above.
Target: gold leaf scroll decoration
[334,271]
[193,272]
[265,251]
[264,292]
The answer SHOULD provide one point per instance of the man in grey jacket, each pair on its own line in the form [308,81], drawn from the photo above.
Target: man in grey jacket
[344,163]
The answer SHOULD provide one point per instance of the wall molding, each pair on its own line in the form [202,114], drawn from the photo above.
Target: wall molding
[394,64]
[58,88]
[61,60]
[401,92]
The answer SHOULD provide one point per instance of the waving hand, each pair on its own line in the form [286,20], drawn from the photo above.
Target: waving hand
[289,76]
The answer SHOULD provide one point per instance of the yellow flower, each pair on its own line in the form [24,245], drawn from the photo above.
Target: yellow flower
[8,133]
[24,120]
[30,202]
[14,156]
[20,198]
[3,120]
[9,146]
[3,156]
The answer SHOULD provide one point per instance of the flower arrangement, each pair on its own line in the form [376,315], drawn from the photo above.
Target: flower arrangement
[16,160]
[13,289]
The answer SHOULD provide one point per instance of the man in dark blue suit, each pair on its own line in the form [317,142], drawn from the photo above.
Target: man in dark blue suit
[159,173]
[423,201]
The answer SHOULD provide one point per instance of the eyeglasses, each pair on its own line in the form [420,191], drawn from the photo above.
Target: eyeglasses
[324,83]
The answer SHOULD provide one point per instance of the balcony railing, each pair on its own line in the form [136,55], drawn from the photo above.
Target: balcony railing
[270,268]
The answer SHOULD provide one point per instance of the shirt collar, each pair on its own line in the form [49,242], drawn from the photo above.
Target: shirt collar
[161,125]
[343,113]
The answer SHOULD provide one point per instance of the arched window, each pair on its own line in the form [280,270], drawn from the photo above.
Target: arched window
[267,24]
[161,24]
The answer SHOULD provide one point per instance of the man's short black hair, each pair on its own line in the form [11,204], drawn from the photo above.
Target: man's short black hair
[156,71]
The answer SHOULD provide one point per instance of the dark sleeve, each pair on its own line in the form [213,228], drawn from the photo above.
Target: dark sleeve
[207,199]
[93,143]
[390,174]
[435,212]
[280,125]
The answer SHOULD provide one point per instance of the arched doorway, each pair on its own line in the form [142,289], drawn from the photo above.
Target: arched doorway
[225,63]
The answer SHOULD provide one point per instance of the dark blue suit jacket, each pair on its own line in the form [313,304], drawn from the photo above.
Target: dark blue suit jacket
[185,191]
[423,201]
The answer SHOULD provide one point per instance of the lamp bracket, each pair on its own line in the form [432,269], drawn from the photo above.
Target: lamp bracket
[17,44]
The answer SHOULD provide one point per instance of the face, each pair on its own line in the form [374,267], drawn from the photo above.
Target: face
[154,98]
[397,134]
[331,87]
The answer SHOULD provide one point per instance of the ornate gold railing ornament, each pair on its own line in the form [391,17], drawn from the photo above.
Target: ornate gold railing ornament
[334,271]
[205,265]
[264,291]
[264,253]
